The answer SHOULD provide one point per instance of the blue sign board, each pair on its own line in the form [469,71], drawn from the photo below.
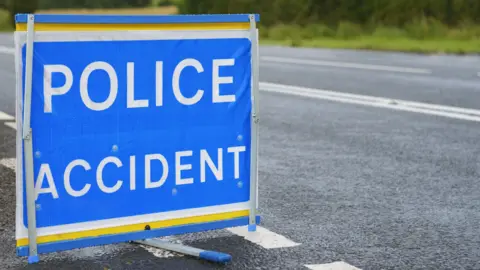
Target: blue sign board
[132,131]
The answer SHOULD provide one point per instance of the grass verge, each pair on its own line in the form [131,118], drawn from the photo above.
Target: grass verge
[419,36]
[424,36]
[4,21]
[386,44]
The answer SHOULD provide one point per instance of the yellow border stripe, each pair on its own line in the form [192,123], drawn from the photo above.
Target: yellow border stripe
[126,27]
[135,227]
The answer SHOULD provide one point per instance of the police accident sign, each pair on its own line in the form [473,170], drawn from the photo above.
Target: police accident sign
[133,128]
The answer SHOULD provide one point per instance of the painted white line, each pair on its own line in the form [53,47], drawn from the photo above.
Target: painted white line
[263,237]
[5,116]
[380,102]
[345,65]
[9,162]
[7,50]
[332,266]
[11,125]
[377,99]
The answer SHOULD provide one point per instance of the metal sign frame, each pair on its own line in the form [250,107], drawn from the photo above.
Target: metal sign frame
[25,157]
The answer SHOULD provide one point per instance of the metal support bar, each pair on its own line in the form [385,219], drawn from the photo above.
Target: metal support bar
[28,147]
[187,250]
[254,120]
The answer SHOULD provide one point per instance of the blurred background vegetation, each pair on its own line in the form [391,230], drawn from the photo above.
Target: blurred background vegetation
[410,25]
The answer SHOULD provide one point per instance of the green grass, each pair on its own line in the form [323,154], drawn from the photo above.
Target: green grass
[422,36]
[4,21]
[387,44]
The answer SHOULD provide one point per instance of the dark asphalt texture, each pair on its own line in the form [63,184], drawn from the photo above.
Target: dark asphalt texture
[454,80]
[376,188]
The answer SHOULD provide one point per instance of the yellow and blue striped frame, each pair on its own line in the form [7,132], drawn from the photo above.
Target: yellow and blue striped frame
[111,235]
[132,23]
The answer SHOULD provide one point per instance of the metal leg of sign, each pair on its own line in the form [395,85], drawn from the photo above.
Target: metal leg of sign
[208,255]
[254,120]
[28,147]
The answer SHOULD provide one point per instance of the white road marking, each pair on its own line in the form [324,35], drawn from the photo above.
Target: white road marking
[263,237]
[381,102]
[5,116]
[9,162]
[377,99]
[344,65]
[11,125]
[7,50]
[332,266]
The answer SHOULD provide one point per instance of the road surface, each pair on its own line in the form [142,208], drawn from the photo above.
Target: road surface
[353,175]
